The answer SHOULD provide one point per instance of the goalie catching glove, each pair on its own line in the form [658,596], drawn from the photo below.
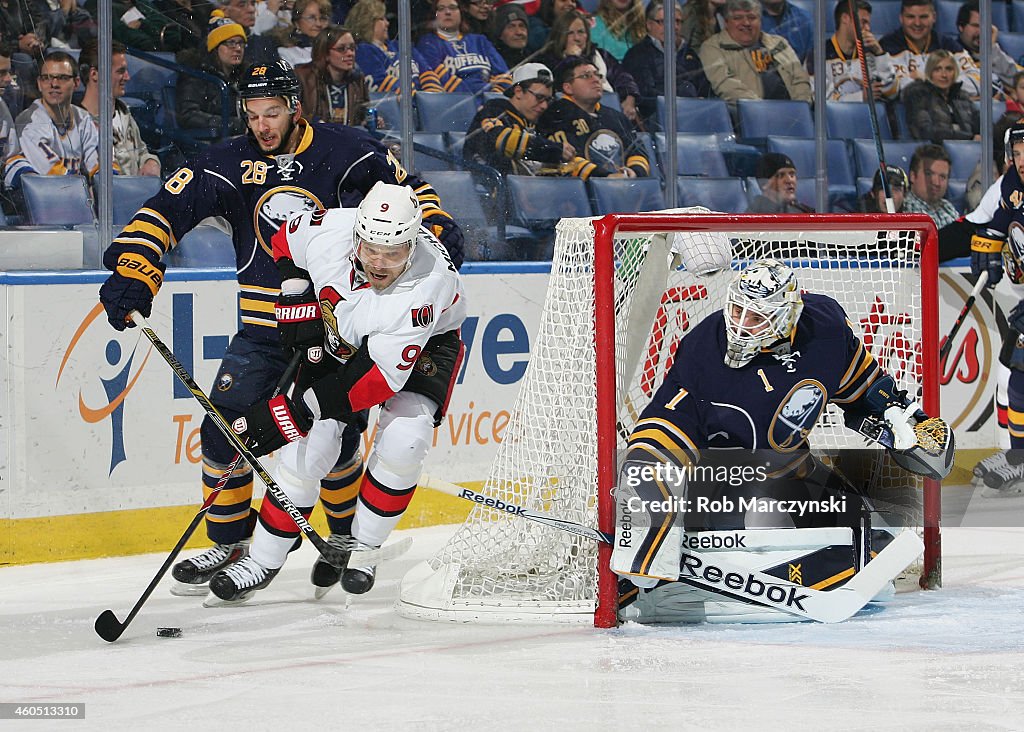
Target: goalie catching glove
[918,443]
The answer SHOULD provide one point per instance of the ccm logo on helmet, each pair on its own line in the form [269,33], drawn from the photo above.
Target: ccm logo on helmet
[422,316]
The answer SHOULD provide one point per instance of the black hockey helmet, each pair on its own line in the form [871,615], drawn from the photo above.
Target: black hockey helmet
[1014,134]
[278,79]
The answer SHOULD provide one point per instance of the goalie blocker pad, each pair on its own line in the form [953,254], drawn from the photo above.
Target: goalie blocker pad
[648,525]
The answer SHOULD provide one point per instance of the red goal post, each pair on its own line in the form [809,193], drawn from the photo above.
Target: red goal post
[622,291]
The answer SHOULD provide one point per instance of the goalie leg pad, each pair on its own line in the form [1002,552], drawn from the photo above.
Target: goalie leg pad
[648,537]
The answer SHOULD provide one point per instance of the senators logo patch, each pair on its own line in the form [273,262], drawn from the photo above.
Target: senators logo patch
[426,366]
[422,316]
[329,299]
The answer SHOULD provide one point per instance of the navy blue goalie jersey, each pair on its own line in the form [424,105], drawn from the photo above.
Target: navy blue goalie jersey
[772,403]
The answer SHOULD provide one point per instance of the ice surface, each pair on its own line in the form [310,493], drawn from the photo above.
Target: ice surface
[945,660]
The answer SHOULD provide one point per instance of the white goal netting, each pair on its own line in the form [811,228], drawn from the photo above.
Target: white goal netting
[501,568]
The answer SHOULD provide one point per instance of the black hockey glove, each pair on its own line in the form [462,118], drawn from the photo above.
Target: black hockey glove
[299,323]
[987,255]
[271,425]
[131,286]
[449,234]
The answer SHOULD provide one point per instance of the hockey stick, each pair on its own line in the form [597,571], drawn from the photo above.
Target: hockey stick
[948,343]
[710,572]
[107,626]
[332,554]
[858,34]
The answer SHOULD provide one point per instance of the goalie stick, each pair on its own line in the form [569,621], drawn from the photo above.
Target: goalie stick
[107,626]
[710,572]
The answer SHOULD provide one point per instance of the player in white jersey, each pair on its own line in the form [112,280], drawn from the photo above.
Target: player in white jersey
[378,292]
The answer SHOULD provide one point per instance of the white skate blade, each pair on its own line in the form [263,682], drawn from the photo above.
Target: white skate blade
[182,589]
[321,592]
[213,601]
[370,557]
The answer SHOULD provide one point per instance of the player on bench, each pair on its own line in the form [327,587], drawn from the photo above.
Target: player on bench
[757,376]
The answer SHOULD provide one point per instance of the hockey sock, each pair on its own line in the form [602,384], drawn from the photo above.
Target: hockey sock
[339,490]
[228,520]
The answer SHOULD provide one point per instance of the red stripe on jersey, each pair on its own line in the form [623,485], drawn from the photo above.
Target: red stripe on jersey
[279,243]
[383,500]
[371,389]
[276,518]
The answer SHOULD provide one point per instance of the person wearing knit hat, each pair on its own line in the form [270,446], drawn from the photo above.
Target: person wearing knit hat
[776,174]
[509,32]
[198,102]
[874,200]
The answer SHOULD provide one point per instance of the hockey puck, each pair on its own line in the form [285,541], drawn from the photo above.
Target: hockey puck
[168,632]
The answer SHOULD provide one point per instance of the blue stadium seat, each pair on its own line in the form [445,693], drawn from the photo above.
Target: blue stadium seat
[146,79]
[130,192]
[460,198]
[1017,21]
[964,157]
[456,141]
[389,112]
[945,23]
[956,192]
[803,155]
[849,120]
[57,200]
[696,155]
[1012,43]
[203,246]
[190,139]
[865,156]
[445,111]
[698,116]
[727,195]
[763,118]
[537,203]
[431,141]
[611,99]
[625,195]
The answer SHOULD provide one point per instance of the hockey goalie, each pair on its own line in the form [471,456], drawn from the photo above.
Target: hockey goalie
[719,463]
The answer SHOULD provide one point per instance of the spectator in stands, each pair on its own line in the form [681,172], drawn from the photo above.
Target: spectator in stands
[570,38]
[295,43]
[1004,68]
[776,174]
[333,89]
[510,32]
[1015,94]
[701,20]
[742,62]
[53,136]
[645,62]
[191,17]
[939,109]
[844,81]
[796,25]
[471,59]
[618,26]
[601,134]
[130,152]
[476,16]
[272,15]
[910,44]
[541,22]
[377,56]
[10,91]
[68,24]
[258,49]
[929,181]
[198,102]
[874,200]
[141,24]
[23,25]
[503,136]
[6,117]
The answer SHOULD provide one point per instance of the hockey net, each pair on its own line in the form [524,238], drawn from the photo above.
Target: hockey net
[618,301]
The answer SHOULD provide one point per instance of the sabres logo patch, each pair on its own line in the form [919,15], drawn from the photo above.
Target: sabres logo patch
[796,415]
[225,381]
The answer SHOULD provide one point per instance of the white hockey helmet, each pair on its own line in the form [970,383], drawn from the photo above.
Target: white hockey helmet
[388,219]
[762,307]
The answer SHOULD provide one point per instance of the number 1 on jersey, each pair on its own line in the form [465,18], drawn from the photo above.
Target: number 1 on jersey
[764,380]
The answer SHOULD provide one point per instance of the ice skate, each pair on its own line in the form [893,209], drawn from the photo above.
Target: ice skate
[358,580]
[237,583]
[1005,481]
[325,575]
[986,466]
[192,575]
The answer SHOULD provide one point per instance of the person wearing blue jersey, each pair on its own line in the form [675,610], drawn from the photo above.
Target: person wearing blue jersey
[751,382]
[283,165]
[468,62]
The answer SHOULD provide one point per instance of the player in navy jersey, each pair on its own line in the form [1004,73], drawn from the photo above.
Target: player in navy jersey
[757,376]
[282,166]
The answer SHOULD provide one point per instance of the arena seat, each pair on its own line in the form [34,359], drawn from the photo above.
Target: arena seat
[625,195]
[57,200]
[130,192]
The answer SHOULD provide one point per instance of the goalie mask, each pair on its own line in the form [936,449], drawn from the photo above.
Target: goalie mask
[387,224]
[762,308]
